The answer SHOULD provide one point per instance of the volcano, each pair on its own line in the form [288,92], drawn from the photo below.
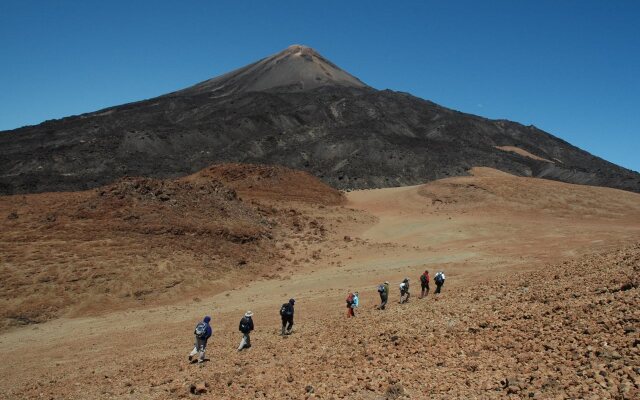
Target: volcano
[297,68]
[295,109]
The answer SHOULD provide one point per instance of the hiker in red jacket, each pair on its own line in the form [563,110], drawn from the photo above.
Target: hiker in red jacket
[424,282]
[349,300]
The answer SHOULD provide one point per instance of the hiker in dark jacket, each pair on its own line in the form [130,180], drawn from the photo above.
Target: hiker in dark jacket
[424,283]
[286,312]
[404,291]
[439,280]
[384,295]
[202,333]
[246,326]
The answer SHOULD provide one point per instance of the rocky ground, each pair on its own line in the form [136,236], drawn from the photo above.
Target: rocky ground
[570,331]
[541,299]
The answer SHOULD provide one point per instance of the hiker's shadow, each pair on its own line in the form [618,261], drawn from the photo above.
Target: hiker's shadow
[200,362]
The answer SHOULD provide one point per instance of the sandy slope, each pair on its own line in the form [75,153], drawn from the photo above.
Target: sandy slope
[498,237]
[522,152]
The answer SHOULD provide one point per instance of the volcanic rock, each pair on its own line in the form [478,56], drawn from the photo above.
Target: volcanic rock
[296,109]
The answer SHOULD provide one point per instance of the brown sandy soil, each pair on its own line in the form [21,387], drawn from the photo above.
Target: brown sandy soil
[522,152]
[541,301]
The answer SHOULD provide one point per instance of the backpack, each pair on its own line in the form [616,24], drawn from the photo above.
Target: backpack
[244,325]
[423,278]
[439,278]
[285,310]
[381,289]
[201,330]
[350,299]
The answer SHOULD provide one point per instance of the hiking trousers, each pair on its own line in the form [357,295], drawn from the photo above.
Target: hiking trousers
[425,289]
[287,324]
[245,342]
[404,296]
[383,300]
[438,288]
[200,346]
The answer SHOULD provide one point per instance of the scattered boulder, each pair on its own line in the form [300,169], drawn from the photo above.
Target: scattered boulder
[394,391]
[199,388]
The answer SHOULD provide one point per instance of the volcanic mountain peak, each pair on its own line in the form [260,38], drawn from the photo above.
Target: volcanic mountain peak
[344,132]
[296,68]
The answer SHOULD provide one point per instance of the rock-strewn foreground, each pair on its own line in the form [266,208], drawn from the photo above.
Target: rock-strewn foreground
[570,331]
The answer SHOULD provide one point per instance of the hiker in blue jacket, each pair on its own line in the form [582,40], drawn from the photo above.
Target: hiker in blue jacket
[202,333]
[356,302]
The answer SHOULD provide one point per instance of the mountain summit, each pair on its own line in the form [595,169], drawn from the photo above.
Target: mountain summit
[295,109]
[296,68]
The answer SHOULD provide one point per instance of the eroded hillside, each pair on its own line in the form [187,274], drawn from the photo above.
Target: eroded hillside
[141,241]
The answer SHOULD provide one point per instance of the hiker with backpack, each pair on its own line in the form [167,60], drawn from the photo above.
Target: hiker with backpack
[424,283]
[383,290]
[404,291]
[349,301]
[286,312]
[202,333]
[439,280]
[246,326]
[356,302]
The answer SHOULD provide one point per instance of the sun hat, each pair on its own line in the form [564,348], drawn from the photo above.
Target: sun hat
[248,314]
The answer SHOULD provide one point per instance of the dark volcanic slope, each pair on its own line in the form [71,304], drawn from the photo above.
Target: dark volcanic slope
[295,109]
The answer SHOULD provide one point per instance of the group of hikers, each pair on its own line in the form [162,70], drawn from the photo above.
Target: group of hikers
[203,329]
[383,288]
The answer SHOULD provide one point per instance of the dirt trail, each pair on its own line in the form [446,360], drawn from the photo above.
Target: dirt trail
[475,228]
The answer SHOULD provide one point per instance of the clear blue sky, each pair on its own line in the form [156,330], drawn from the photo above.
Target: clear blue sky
[571,68]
